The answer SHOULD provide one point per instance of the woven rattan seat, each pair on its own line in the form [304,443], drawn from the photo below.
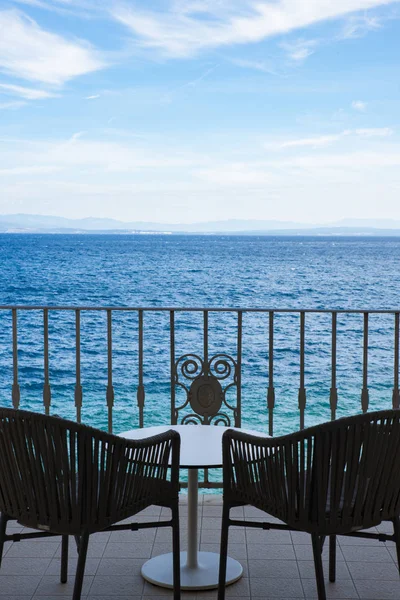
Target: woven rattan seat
[63,478]
[336,478]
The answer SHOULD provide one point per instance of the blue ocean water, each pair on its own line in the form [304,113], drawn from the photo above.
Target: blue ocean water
[198,271]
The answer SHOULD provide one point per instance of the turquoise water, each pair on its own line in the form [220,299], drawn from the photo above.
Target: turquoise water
[202,271]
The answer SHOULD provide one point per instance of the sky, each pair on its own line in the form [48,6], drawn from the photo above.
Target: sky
[181,111]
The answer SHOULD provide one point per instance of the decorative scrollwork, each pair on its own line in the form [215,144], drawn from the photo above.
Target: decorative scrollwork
[206,386]
[221,366]
[221,419]
[190,366]
[192,419]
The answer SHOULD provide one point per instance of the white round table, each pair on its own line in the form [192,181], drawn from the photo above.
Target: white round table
[201,448]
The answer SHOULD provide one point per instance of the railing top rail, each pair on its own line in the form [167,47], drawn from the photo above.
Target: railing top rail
[391,311]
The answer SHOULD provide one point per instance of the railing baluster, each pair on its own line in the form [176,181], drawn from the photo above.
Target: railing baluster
[271,389]
[364,391]
[110,389]
[205,341]
[15,392]
[46,385]
[78,386]
[238,411]
[206,373]
[302,390]
[333,398]
[174,412]
[396,396]
[140,394]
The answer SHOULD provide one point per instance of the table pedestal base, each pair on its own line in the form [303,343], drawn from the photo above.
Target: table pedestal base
[158,570]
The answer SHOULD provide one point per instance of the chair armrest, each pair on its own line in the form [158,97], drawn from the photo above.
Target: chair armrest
[128,475]
[269,473]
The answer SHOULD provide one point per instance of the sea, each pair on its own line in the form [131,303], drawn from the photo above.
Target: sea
[202,271]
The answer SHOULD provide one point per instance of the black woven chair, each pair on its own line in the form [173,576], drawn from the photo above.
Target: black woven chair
[335,478]
[62,478]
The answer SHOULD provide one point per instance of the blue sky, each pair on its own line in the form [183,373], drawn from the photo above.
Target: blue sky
[197,110]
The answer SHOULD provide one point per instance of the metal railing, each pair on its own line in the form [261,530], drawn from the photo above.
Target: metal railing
[194,365]
[205,386]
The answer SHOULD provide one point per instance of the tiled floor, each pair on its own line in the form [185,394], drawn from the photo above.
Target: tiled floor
[277,564]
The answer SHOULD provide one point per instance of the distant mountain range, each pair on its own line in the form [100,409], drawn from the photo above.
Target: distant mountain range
[24,223]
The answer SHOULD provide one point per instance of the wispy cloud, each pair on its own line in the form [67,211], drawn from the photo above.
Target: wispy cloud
[29,52]
[168,97]
[24,92]
[313,142]
[299,50]
[34,170]
[374,132]
[263,66]
[359,25]
[359,105]
[184,29]
[207,72]
[11,105]
[94,97]
[326,140]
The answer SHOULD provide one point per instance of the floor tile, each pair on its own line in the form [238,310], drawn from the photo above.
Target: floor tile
[366,553]
[273,568]
[304,552]
[259,536]
[340,589]
[307,569]
[384,590]
[380,570]
[120,566]
[11,585]
[23,566]
[123,550]
[33,549]
[117,585]
[277,551]
[274,586]
[50,586]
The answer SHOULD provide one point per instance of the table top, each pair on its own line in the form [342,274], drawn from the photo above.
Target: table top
[201,445]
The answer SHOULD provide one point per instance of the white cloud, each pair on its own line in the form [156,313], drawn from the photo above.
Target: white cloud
[263,66]
[11,105]
[34,170]
[326,140]
[180,31]
[24,92]
[314,142]
[374,132]
[94,97]
[136,179]
[29,52]
[80,153]
[359,105]
[359,25]
[299,50]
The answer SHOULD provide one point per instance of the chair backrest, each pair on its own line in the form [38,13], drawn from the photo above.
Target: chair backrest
[330,478]
[64,477]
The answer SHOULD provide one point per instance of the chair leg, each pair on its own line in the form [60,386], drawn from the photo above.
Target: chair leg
[80,570]
[396,527]
[3,527]
[64,559]
[332,558]
[176,555]
[319,571]
[223,552]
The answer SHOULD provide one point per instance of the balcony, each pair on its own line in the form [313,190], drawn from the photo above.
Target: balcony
[277,564]
[276,371]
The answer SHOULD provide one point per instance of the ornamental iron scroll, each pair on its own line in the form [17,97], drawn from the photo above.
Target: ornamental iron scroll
[205,386]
